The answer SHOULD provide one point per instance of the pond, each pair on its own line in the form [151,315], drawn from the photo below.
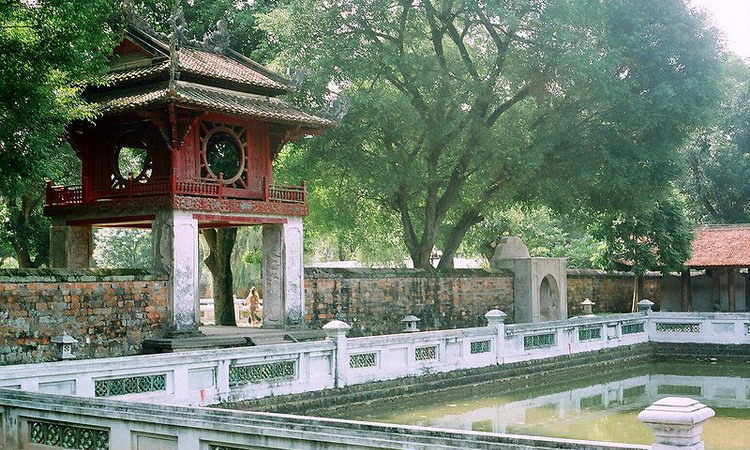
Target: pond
[595,408]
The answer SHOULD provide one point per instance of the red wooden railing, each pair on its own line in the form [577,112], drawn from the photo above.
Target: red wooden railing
[200,187]
[286,194]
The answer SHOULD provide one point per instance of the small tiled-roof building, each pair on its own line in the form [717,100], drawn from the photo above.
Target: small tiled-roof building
[722,251]
[185,140]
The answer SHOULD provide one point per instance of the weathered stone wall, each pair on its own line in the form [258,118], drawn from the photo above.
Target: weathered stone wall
[611,291]
[109,312]
[374,301]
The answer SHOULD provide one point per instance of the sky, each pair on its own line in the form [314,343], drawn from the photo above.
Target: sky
[733,18]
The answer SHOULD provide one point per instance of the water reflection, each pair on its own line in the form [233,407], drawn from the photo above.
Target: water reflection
[598,409]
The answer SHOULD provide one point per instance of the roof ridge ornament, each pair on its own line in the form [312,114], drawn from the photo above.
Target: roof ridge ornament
[177,21]
[217,40]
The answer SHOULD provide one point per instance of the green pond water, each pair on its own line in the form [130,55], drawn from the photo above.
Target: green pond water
[594,408]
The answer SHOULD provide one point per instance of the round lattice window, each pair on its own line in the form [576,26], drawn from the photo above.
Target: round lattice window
[223,155]
[133,162]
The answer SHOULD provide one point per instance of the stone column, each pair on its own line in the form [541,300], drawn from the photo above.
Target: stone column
[336,332]
[283,275]
[677,423]
[174,247]
[731,292]
[687,291]
[71,247]
[716,288]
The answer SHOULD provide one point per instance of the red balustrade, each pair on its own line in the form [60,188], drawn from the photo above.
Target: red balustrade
[200,187]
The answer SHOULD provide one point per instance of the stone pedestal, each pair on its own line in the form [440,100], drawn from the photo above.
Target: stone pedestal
[677,423]
[175,252]
[283,275]
[71,247]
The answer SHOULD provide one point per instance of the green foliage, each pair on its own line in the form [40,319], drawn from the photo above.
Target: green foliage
[122,248]
[246,260]
[656,238]
[47,48]
[344,222]
[717,159]
[201,17]
[457,109]
[545,233]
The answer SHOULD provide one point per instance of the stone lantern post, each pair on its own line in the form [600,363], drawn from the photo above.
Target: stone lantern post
[588,307]
[677,423]
[410,322]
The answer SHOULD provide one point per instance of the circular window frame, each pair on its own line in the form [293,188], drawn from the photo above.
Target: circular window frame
[142,176]
[240,148]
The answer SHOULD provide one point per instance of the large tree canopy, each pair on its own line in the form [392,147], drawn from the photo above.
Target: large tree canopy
[456,108]
[48,48]
[718,156]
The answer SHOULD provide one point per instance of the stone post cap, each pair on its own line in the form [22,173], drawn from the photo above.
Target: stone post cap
[588,301]
[64,338]
[410,318]
[336,325]
[676,411]
[495,315]
[646,303]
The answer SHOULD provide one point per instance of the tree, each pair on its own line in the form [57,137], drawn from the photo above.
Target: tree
[717,158]
[458,108]
[48,48]
[545,233]
[656,238]
[219,262]
[122,248]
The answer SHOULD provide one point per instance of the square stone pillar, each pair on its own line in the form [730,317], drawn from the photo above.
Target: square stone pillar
[174,248]
[283,275]
[71,247]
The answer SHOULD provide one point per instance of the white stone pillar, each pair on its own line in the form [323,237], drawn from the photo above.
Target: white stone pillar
[71,247]
[283,274]
[336,332]
[174,246]
[496,320]
[677,423]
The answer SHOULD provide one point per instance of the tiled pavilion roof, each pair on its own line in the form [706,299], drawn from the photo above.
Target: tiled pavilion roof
[210,98]
[204,76]
[206,64]
[721,246]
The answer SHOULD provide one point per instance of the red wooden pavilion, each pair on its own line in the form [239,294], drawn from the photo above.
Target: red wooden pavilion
[186,139]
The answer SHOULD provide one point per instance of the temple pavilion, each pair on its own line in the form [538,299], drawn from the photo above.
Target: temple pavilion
[716,276]
[186,139]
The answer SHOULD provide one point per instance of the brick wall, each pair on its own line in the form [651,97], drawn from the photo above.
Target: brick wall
[611,291]
[374,301]
[109,312]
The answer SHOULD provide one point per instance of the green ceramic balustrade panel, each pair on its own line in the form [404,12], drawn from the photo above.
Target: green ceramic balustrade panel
[538,341]
[425,353]
[257,373]
[589,333]
[362,360]
[480,347]
[130,385]
[633,328]
[62,435]
[672,327]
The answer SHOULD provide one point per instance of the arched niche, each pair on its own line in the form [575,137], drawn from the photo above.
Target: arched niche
[549,299]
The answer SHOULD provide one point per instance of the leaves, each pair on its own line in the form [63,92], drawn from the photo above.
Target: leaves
[458,109]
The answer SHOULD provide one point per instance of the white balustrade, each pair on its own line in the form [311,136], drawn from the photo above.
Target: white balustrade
[212,376]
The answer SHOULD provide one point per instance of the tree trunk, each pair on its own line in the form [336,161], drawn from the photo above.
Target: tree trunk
[219,262]
[456,236]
